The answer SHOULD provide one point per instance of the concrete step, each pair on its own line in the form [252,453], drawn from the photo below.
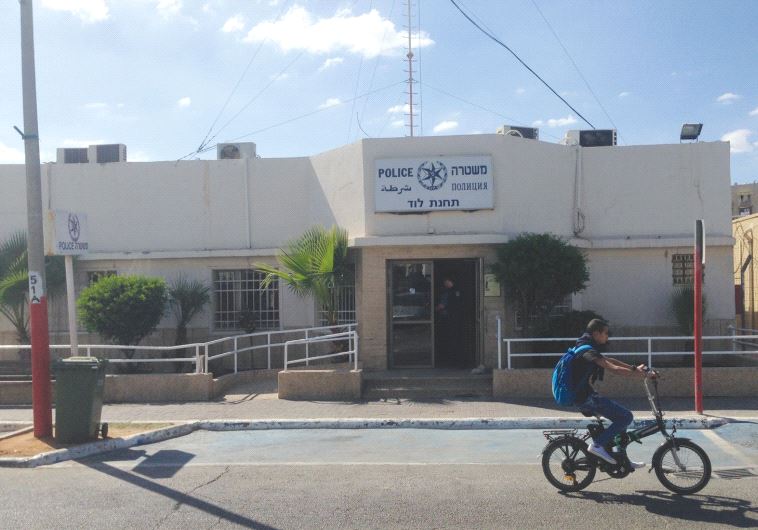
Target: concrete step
[389,385]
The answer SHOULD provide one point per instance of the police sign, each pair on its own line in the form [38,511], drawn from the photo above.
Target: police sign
[433,183]
[68,234]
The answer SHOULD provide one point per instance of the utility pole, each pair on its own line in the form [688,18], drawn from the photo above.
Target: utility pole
[409,56]
[41,386]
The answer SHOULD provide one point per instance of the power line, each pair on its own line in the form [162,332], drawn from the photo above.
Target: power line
[586,83]
[514,121]
[498,41]
[236,86]
[307,114]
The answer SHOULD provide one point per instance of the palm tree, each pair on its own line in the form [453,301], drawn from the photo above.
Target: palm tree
[186,298]
[315,264]
[14,282]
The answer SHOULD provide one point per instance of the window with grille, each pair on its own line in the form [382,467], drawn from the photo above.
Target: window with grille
[345,298]
[683,269]
[95,276]
[240,294]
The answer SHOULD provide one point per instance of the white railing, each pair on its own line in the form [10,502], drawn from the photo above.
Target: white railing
[352,351]
[645,350]
[202,351]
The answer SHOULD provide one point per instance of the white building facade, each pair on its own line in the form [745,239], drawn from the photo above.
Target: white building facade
[416,210]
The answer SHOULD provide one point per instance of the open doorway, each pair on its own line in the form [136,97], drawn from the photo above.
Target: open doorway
[455,319]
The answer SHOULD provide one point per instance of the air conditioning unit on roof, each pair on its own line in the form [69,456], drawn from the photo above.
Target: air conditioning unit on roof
[107,153]
[529,133]
[71,155]
[591,138]
[233,151]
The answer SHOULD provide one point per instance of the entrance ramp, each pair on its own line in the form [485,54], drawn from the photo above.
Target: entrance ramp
[426,384]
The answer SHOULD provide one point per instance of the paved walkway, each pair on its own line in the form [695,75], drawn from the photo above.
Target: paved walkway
[257,401]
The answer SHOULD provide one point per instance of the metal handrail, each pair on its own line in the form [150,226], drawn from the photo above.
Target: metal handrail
[649,353]
[201,356]
[352,352]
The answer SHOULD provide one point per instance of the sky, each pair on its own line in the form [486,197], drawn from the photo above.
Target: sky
[299,77]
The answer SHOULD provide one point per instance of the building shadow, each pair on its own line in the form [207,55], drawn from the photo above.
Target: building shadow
[696,508]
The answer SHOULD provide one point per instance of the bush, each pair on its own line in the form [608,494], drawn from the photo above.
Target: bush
[123,309]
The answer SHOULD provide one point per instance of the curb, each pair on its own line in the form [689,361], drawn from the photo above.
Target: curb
[158,435]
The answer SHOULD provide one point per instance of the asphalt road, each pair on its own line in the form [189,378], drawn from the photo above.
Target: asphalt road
[409,478]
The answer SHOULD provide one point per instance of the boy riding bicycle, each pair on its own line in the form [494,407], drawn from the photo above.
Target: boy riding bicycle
[590,366]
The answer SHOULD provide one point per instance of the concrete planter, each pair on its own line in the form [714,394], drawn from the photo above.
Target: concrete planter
[675,382]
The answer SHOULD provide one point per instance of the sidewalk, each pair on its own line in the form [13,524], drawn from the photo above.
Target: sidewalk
[257,401]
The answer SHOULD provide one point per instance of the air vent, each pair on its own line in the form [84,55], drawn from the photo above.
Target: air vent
[108,153]
[233,151]
[529,133]
[72,155]
[591,138]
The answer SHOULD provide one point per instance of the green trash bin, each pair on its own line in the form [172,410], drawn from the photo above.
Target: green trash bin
[79,383]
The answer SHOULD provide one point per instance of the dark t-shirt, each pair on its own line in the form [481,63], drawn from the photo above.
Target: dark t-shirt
[584,372]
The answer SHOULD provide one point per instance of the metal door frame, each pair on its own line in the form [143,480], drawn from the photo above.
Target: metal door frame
[391,324]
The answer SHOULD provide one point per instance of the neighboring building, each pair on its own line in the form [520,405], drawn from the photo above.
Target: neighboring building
[742,199]
[745,271]
[417,210]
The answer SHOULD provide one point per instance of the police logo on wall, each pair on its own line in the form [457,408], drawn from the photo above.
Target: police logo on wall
[74,228]
[432,175]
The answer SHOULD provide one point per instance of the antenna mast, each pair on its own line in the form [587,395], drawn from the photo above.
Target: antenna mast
[409,56]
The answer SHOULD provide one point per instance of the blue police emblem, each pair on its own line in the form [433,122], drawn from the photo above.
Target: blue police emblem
[432,175]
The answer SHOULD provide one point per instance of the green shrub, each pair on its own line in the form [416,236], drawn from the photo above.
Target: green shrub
[123,309]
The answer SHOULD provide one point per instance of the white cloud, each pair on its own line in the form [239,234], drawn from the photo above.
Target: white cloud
[520,91]
[447,125]
[96,105]
[398,123]
[331,102]
[727,98]
[279,77]
[624,94]
[89,11]
[368,34]
[234,24]
[555,122]
[184,102]
[739,140]
[169,8]
[754,112]
[399,109]
[332,61]
[10,155]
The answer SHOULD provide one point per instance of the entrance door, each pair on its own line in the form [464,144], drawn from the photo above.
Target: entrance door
[411,314]
[456,299]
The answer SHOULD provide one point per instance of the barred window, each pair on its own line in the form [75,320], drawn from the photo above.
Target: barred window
[95,276]
[683,269]
[345,307]
[239,294]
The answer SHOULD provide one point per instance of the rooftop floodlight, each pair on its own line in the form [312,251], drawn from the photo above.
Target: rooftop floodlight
[690,131]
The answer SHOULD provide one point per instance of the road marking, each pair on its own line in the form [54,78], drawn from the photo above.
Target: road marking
[727,447]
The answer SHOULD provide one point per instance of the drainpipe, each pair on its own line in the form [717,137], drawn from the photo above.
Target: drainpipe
[247,204]
[577,214]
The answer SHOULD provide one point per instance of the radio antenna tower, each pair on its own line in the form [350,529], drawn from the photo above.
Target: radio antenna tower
[409,56]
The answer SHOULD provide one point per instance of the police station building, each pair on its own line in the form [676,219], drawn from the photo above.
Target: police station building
[417,210]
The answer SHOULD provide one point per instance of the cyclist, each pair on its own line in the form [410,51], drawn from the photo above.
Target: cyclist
[591,366]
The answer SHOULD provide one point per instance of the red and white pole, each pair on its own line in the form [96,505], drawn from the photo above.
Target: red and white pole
[41,385]
[698,320]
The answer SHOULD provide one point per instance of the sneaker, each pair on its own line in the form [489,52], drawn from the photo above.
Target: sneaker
[600,452]
[637,465]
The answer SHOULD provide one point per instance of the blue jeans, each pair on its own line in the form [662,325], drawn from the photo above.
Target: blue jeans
[620,417]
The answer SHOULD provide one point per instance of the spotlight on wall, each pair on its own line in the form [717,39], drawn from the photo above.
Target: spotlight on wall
[690,131]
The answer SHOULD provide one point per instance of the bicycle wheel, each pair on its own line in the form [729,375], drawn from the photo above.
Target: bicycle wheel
[567,465]
[694,473]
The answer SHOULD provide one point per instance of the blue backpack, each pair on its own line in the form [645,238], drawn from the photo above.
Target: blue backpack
[563,389]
